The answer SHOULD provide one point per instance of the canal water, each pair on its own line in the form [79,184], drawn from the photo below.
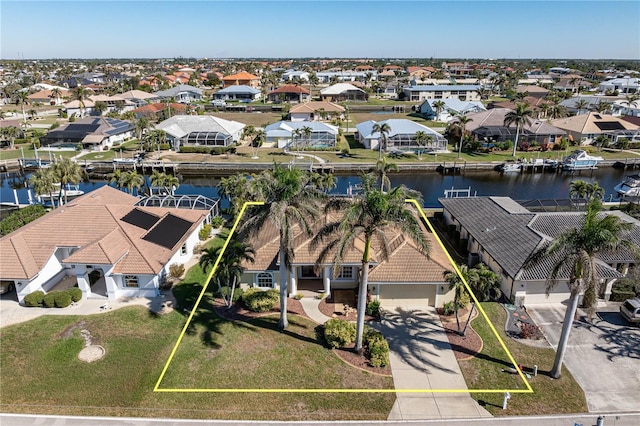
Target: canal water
[519,186]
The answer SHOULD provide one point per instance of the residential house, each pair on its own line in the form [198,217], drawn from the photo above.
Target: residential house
[76,109]
[503,234]
[585,128]
[95,133]
[623,108]
[113,103]
[571,104]
[241,79]
[451,108]
[315,111]
[535,103]
[290,135]
[161,111]
[407,279]
[139,97]
[624,85]
[488,126]
[571,82]
[184,94]
[108,240]
[47,97]
[401,136]
[238,93]
[289,93]
[420,72]
[342,76]
[200,130]
[532,90]
[291,75]
[423,93]
[341,92]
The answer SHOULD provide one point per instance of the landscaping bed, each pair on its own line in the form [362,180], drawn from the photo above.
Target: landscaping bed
[464,347]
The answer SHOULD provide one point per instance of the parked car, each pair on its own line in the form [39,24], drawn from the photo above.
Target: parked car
[6,287]
[630,310]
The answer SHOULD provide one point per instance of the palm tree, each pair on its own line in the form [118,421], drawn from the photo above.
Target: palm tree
[601,141]
[100,106]
[578,189]
[117,177]
[297,133]
[289,200]
[573,255]
[11,133]
[594,190]
[22,97]
[520,117]
[382,169]
[133,180]
[81,94]
[324,181]
[248,132]
[557,111]
[237,188]
[602,107]
[630,100]
[461,122]
[257,142]
[487,282]
[307,132]
[422,139]
[66,171]
[43,182]
[140,125]
[456,283]
[439,106]
[56,93]
[581,104]
[366,217]
[383,129]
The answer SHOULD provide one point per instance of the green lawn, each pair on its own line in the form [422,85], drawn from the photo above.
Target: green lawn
[27,150]
[484,372]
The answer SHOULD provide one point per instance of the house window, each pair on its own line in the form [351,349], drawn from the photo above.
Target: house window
[130,281]
[183,249]
[346,273]
[265,279]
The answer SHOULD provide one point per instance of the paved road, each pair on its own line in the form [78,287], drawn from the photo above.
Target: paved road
[564,420]
[603,356]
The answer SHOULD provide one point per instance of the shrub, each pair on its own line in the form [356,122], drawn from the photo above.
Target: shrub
[218,150]
[197,249]
[34,299]
[463,300]
[217,222]
[176,270]
[448,308]
[298,296]
[205,232]
[49,300]
[616,295]
[75,293]
[320,295]
[195,149]
[377,348]
[62,299]
[339,333]
[258,300]
[237,293]
[373,308]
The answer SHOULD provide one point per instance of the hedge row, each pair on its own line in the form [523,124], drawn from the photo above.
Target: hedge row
[21,217]
[216,150]
[339,333]
[53,299]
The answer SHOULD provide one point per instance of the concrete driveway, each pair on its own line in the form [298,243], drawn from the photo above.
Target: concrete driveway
[421,358]
[603,356]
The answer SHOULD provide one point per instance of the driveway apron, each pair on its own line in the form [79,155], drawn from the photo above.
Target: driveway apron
[421,359]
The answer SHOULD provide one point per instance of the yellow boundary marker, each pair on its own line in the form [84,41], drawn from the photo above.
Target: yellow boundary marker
[157,387]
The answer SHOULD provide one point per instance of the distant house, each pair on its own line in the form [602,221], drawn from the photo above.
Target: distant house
[423,93]
[532,90]
[113,103]
[488,126]
[315,111]
[343,92]
[346,76]
[585,128]
[46,97]
[75,109]
[95,133]
[502,234]
[201,130]
[451,108]
[237,93]
[535,104]
[289,135]
[290,75]
[241,79]
[572,83]
[161,110]
[289,93]
[139,97]
[108,240]
[623,85]
[184,94]
[571,104]
[401,136]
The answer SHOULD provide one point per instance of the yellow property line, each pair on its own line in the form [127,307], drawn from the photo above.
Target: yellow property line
[260,390]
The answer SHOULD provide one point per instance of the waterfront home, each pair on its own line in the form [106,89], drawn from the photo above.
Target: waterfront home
[200,130]
[94,133]
[242,78]
[184,94]
[586,128]
[108,240]
[624,85]
[407,279]
[237,93]
[451,108]
[291,75]
[444,91]
[502,234]
[341,92]
[401,136]
[290,134]
[315,111]
[114,103]
[289,93]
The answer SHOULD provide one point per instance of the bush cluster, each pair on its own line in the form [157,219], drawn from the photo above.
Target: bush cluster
[195,149]
[377,347]
[217,221]
[373,308]
[53,299]
[20,218]
[339,333]
[176,270]
[448,308]
[205,232]
[258,300]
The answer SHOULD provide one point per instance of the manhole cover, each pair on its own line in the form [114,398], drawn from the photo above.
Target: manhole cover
[91,353]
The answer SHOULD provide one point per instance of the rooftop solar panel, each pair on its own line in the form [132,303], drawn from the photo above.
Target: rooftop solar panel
[168,231]
[140,219]
[609,125]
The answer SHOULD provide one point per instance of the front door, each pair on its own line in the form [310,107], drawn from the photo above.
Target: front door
[307,272]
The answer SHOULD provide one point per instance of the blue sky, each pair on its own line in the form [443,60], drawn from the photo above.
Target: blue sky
[389,29]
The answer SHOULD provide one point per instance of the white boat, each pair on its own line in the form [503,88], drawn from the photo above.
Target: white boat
[510,167]
[629,187]
[125,160]
[69,191]
[580,160]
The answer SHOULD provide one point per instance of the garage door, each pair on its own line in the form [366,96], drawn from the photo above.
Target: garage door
[536,294]
[407,295]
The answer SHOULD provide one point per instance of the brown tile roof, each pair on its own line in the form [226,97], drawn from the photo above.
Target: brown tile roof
[290,88]
[93,225]
[159,106]
[243,75]
[314,106]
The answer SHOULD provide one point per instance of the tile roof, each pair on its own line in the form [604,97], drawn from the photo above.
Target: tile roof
[587,123]
[243,75]
[290,88]
[313,106]
[181,125]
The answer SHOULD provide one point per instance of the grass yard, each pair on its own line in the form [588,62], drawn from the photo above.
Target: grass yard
[484,371]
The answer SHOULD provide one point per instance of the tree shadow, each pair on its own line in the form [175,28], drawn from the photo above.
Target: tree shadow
[620,340]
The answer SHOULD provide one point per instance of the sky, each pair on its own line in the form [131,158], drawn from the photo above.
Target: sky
[321,28]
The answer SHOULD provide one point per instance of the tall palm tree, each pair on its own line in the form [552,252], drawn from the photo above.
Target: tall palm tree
[383,129]
[81,94]
[11,133]
[487,282]
[578,189]
[594,190]
[461,122]
[133,180]
[307,132]
[602,107]
[237,188]
[422,139]
[439,106]
[630,101]
[520,117]
[289,200]
[55,95]
[557,111]
[581,104]
[456,284]
[366,217]
[117,177]
[43,182]
[22,97]
[600,141]
[382,169]
[573,255]
[66,172]
[257,142]
[140,125]
[324,181]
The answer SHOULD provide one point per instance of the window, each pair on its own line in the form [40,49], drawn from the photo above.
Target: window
[346,273]
[265,280]
[183,249]
[130,281]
